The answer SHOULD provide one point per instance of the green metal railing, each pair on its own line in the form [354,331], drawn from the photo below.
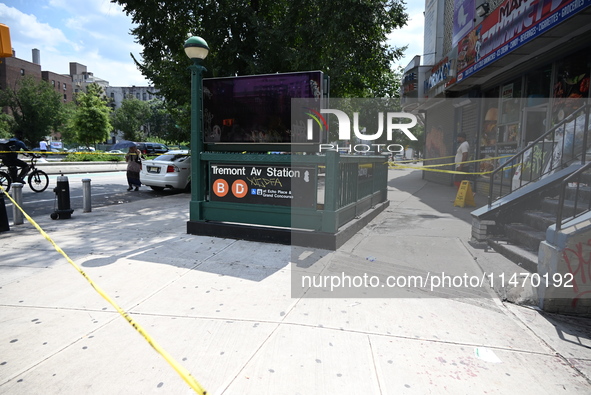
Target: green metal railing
[347,186]
[540,155]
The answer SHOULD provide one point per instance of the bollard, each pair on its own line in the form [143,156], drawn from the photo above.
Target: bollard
[86,196]
[17,196]
[62,194]
[4,227]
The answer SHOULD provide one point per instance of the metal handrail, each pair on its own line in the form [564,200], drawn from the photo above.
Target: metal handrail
[518,158]
[559,214]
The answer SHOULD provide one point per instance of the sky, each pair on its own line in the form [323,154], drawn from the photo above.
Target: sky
[95,33]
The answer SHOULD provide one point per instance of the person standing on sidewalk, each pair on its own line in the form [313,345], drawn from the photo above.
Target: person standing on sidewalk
[134,166]
[461,158]
[43,148]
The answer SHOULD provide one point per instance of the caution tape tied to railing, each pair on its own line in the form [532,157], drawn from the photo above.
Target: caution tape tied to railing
[396,165]
[184,373]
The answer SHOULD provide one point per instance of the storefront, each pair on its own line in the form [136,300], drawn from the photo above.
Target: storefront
[520,78]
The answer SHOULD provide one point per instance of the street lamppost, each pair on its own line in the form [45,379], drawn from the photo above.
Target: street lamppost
[196,49]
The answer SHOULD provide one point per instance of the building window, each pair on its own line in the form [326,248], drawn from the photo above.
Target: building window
[64,86]
[52,82]
[137,95]
[22,72]
[144,96]
[65,97]
[58,85]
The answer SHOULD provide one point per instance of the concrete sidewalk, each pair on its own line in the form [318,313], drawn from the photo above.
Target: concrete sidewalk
[235,314]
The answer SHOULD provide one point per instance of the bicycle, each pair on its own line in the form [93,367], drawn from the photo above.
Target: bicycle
[37,179]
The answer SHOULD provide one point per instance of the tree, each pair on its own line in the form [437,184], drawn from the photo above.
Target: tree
[6,126]
[163,125]
[36,109]
[91,122]
[130,117]
[256,37]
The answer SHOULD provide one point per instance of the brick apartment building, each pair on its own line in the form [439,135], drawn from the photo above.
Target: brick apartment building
[12,69]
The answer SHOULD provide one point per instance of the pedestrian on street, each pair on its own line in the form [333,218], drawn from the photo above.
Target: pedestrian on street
[43,147]
[461,158]
[134,166]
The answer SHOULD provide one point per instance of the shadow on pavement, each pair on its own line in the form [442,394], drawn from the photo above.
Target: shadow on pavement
[437,196]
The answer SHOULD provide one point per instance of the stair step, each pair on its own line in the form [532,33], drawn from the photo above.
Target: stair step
[550,205]
[525,236]
[539,220]
[517,254]
[584,195]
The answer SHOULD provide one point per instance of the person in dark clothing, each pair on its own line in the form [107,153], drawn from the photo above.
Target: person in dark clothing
[134,166]
[10,158]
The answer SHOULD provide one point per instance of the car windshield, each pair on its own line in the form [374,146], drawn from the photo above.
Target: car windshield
[171,157]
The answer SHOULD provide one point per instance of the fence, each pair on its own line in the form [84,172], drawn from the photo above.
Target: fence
[344,188]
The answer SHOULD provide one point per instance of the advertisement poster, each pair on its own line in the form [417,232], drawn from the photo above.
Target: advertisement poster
[256,109]
[463,19]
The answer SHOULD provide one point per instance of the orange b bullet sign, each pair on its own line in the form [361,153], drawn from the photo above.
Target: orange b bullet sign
[220,187]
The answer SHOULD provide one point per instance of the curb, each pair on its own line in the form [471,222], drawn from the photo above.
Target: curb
[55,168]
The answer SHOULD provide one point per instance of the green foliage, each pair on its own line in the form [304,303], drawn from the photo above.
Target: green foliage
[256,37]
[68,130]
[36,109]
[91,122]
[168,123]
[130,117]
[6,126]
[92,157]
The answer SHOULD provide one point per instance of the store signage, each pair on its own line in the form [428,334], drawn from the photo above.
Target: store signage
[409,82]
[262,184]
[509,26]
[440,73]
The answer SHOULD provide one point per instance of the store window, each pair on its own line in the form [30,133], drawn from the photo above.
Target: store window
[489,131]
[509,117]
[538,84]
[572,84]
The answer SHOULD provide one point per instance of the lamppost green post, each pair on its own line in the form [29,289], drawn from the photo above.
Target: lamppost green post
[196,49]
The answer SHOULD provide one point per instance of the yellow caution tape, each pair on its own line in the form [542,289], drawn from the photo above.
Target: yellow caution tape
[395,165]
[184,373]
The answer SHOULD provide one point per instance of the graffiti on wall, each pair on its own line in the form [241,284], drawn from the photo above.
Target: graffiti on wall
[578,262]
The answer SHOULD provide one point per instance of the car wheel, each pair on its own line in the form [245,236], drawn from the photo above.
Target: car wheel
[157,189]
[188,187]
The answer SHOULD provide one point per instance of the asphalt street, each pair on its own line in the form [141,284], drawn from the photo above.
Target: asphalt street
[107,188]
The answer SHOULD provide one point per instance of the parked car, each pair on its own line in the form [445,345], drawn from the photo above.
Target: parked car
[152,148]
[82,149]
[169,170]
[115,151]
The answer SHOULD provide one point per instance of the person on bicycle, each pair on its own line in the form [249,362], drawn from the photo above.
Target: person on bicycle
[12,161]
